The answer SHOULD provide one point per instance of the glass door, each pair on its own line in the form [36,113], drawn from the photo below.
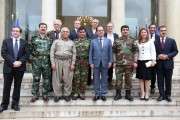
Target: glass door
[69,10]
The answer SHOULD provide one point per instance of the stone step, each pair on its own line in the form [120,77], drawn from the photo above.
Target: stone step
[28,78]
[102,118]
[92,112]
[175,85]
[25,101]
[135,93]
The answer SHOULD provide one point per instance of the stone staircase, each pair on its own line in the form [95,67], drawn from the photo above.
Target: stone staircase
[89,110]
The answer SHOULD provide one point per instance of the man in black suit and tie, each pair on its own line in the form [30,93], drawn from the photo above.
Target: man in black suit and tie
[73,33]
[54,34]
[15,55]
[112,36]
[153,36]
[166,50]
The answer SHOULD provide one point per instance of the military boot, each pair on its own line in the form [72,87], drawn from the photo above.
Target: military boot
[118,95]
[128,95]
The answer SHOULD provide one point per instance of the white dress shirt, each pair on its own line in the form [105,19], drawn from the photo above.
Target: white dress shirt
[111,37]
[153,37]
[147,51]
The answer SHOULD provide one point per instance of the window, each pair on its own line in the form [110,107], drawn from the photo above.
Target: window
[138,14]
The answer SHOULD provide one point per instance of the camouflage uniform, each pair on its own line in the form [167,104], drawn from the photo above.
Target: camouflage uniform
[125,51]
[40,56]
[81,66]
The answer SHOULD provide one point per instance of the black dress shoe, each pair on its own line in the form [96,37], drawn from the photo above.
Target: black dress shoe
[82,97]
[74,97]
[168,99]
[160,98]
[95,98]
[2,109]
[142,98]
[67,98]
[15,107]
[56,99]
[103,98]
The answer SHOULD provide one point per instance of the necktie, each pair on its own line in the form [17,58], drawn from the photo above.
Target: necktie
[56,34]
[100,40]
[16,49]
[162,43]
[151,35]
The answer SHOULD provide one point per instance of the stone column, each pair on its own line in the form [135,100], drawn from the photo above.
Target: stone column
[173,21]
[2,22]
[118,14]
[48,12]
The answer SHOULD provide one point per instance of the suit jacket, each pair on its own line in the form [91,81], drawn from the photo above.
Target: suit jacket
[52,34]
[98,54]
[90,34]
[8,55]
[116,36]
[73,35]
[170,49]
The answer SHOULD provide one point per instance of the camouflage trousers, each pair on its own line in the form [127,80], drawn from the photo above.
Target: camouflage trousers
[41,66]
[80,77]
[123,73]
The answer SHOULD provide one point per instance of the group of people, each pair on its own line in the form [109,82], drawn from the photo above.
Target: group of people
[66,59]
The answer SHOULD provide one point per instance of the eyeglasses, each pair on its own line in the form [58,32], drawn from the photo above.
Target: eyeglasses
[100,30]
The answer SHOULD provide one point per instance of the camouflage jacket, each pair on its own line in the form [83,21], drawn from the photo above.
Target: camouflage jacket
[39,46]
[82,49]
[125,51]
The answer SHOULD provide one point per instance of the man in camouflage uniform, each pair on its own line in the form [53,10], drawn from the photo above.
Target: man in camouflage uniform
[40,56]
[81,65]
[125,56]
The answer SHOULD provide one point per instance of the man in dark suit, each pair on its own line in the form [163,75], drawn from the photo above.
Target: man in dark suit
[100,59]
[15,55]
[91,32]
[112,36]
[153,36]
[73,33]
[166,50]
[54,34]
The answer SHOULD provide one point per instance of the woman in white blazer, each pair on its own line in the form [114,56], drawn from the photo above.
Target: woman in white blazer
[146,60]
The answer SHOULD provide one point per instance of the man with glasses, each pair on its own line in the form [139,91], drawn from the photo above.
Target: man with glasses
[63,57]
[166,50]
[100,60]
[14,52]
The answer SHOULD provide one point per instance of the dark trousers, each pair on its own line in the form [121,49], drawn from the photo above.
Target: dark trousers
[164,78]
[110,75]
[153,78]
[8,79]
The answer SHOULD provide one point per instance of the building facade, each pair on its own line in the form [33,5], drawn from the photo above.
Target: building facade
[28,14]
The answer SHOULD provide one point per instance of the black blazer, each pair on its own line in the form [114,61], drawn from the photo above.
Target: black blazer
[90,34]
[73,35]
[116,36]
[8,55]
[170,49]
[52,34]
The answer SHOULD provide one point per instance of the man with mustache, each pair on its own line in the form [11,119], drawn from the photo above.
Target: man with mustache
[40,46]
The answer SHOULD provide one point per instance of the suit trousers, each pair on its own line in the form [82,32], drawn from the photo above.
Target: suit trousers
[164,78]
[100,80]
[8,79]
